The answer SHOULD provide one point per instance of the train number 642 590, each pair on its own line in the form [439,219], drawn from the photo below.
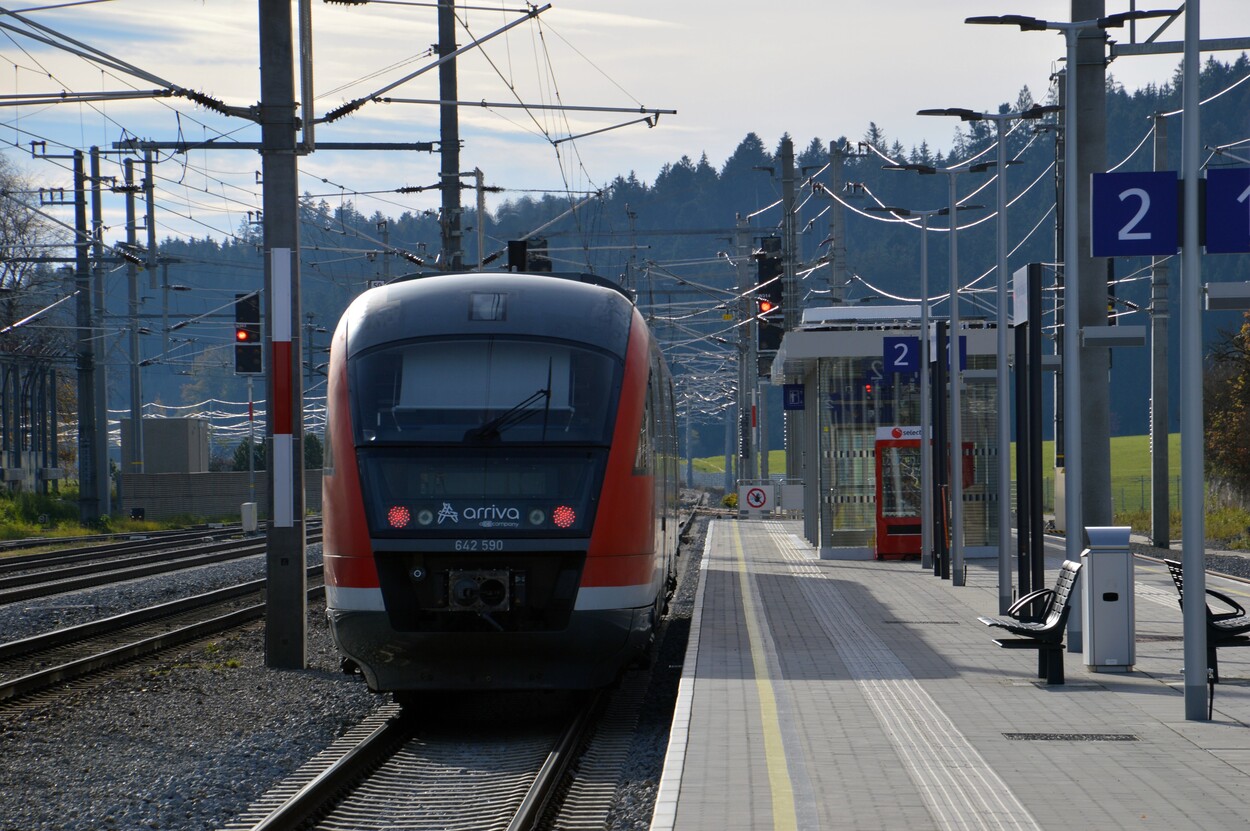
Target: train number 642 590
[479,545]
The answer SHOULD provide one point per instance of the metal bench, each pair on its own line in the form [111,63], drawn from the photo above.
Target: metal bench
[1039,619]
[1230,627]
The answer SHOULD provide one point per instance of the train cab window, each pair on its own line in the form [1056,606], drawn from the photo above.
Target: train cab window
[485,391]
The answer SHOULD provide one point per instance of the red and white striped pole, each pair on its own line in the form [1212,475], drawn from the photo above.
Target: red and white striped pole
[281,513]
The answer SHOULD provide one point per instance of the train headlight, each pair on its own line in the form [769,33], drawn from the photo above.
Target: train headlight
[564,516]
[537,517]
[398,516]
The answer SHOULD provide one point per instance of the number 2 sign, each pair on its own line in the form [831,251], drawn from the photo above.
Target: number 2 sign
[901,354]
[1134,214]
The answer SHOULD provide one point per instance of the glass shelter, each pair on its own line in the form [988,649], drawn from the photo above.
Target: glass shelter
[861,382]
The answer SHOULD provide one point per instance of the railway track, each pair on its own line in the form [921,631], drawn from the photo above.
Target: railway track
[43,661]
[445,762]
[47,574]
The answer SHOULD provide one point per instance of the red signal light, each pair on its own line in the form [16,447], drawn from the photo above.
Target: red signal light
[243,335]
[766,307]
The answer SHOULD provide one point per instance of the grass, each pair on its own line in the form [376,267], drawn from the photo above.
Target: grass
[53,517]
[1228,526]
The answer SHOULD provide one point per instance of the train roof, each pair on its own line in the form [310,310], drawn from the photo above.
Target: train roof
[579,307]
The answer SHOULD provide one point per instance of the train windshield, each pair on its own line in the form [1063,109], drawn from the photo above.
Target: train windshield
[485,391]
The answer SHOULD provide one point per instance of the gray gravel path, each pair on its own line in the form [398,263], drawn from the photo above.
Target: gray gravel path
[190,742]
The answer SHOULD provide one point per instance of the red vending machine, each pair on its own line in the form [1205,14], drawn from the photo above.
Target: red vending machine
[898,492]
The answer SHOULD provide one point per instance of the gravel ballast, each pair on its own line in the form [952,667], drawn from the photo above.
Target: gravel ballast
[190,740]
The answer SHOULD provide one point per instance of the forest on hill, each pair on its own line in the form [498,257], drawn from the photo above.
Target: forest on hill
[667,239]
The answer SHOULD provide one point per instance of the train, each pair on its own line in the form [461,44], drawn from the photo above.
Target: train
[500,492]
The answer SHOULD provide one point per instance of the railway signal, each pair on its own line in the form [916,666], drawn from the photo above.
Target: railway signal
[768,285]
[248,354]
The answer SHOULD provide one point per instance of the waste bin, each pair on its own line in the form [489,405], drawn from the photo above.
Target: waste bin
[1109,636]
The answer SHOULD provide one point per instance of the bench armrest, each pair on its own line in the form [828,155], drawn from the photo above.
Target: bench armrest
[1237,610]
[1027,600]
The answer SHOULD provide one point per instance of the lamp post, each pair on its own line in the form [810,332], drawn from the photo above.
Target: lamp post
[1073,486]
[956,405]
[926,430]
[1002,382]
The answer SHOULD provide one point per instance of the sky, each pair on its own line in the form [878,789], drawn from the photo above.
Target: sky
[811,68]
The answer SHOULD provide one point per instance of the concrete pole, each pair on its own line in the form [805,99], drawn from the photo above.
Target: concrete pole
[761,409]
[449,134]
[956,404]
[1160,497]
[132,298]
[926,405]
[479,181]
[791,304]
[88,455]
[746,353]
[149,221]
[837,228]
[1193,487]
[1003,384]
[1090,133]
[100,376]
[1058,383]
[1073,479]
[286,638]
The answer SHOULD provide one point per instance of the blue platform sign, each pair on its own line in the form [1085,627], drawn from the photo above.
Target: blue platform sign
[1134,214]
[1228,210]
[963,352]
[900,354]
[794,396]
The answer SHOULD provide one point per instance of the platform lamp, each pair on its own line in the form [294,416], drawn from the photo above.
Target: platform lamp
[1003,383]
[926,427]
[1073,489]
[956,429]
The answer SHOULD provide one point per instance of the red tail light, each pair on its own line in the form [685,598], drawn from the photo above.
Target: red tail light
[563,516]
[399,516]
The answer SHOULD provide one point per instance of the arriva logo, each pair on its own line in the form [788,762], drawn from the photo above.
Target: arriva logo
[491,512]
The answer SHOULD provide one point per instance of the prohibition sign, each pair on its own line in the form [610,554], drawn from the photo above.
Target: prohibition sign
[756,497]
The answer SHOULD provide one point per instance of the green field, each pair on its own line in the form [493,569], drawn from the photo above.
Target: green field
[1130,471]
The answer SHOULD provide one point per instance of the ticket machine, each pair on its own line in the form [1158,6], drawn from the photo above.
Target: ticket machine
[898,492]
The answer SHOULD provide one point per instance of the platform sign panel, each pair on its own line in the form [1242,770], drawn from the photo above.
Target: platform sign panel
[794,396]
[900,354]
[756,501]
[946,352]
[1228,210]
[1134,214]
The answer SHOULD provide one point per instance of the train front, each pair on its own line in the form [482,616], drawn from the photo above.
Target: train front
[471,430]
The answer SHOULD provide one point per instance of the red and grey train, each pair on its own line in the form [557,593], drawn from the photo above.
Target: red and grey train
[500,495]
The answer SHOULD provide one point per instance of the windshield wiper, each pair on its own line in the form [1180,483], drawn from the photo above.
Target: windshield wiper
[491,430]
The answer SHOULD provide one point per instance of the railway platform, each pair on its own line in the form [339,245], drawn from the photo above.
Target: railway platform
[825,694]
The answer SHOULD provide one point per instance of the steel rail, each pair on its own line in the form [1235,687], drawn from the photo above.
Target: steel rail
[26,587]
[356,764]
[71,670]
[562,755]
